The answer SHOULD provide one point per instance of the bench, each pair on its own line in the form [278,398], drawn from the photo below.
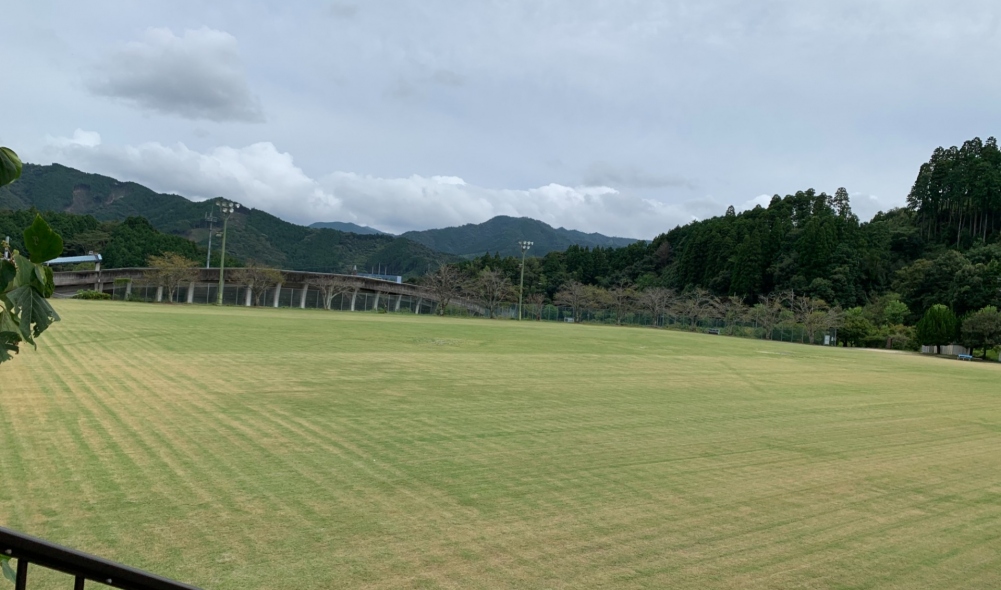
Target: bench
[964,357]
[714,331]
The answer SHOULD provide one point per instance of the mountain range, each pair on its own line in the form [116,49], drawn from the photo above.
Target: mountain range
[499,235]
[256,235]
[502,234]
[349,227]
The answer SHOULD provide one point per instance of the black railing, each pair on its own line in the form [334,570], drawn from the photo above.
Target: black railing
[83,567]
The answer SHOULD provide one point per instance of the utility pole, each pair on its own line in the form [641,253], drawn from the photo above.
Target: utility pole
[211,219]
[227,208]
[521,287]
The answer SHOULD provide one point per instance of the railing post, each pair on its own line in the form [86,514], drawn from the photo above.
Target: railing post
[21,580]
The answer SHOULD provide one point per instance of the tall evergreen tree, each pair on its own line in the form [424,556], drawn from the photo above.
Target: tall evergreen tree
[937,328]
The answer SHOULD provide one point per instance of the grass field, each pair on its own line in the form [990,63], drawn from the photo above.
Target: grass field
[280,449]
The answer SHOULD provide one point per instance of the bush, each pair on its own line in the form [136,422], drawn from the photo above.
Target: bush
[92,295]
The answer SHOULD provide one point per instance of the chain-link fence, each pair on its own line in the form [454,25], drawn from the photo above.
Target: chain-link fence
[236,295]
[782,332]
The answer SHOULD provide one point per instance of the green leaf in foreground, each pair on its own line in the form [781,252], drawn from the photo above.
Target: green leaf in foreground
[43,244]
[36,315]
[10,166]
[8,572]
[8,344]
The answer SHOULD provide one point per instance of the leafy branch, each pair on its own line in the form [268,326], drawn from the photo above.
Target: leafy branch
[25,282]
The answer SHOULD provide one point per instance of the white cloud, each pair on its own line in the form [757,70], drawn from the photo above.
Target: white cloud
[198,75]
[762,200]
[80,138]
[261,176]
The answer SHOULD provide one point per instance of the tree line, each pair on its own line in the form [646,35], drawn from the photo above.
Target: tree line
[881,323]
[942,248]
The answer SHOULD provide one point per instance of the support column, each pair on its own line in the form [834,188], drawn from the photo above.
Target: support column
[302,297]
[399,298]
[191,292]
[417,309]
[354,296]
[159,294]
[375,306]
[248,297]
[278,293]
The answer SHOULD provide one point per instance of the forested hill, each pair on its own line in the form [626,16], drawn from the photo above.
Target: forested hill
[944,247]
[502,234]
[123,244]
[347,226]
[253,235]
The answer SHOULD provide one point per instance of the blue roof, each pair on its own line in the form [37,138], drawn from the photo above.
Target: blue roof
[76,259]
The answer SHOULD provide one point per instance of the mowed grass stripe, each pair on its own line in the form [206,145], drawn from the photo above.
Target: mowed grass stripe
[269,448]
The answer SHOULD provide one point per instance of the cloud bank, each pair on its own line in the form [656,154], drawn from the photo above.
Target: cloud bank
[261,176]
[199,75]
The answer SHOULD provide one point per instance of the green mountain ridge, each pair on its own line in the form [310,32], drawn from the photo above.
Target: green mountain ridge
[253,235]
[347,226]
[502,234]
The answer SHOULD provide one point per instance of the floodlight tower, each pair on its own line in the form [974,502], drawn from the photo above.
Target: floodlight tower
[521,288]
[211,219]
[226,208]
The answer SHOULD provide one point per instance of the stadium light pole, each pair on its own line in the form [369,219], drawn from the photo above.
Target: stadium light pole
[521,288]
[226,208]
[208,257]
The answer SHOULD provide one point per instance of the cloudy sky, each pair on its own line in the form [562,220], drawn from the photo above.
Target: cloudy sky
[625,117]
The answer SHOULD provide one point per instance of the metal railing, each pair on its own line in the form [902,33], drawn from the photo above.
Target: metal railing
[81,566]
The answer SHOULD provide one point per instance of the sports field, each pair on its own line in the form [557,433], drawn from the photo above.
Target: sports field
[289,449]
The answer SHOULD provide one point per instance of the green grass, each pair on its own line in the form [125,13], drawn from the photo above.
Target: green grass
[257,448]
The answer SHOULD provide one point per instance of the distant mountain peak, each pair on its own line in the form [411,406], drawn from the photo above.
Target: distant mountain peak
[349,227]
[501,234]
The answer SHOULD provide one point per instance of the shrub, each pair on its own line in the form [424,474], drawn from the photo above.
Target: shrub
[92,295]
